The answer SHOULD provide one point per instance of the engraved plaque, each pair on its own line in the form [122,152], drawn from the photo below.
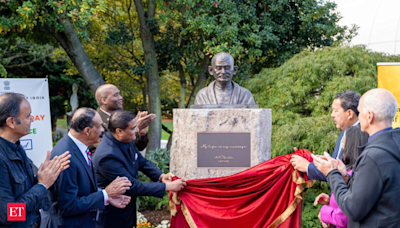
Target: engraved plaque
[223,149]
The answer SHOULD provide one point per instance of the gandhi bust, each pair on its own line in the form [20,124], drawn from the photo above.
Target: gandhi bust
[223,91]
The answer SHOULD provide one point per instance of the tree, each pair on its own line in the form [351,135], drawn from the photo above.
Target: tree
[257,33]
[17,52]
[60,85]
[116,49]
[148,27]
[59,18]
[301,91]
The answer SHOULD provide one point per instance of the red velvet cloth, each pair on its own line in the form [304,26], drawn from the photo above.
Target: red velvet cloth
[255,197]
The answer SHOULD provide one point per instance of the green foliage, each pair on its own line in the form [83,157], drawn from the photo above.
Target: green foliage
[160,158]
[20,51]
[60,85]
[116,50]
[56,137]
[164,134]
[3,71]
[26,15]
[62,123]
[300,93]
[257,33]
[309,215]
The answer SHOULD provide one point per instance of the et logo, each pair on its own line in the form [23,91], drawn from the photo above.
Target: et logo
[16,212]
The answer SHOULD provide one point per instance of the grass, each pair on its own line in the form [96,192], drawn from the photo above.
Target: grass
[62,123]
[165,135]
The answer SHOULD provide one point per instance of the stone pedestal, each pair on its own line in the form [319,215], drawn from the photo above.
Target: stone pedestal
[188,122]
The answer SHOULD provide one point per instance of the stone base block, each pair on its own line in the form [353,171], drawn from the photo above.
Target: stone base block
[188,122]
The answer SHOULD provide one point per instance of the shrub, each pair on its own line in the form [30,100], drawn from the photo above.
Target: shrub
[160,158]
[300,94]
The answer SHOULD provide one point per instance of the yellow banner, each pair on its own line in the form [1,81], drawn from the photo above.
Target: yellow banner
[389,78]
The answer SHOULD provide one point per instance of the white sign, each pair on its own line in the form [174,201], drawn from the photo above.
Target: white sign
[36,91]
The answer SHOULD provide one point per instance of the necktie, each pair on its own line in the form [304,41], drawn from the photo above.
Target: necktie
[89,156]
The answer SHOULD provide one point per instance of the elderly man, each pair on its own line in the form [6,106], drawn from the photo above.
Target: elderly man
[344,114]
[223,90]
[371,197]
[118,156]
[109,99]
[18,184]
[77,197]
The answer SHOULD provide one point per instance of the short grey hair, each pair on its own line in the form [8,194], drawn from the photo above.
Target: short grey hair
[382,103]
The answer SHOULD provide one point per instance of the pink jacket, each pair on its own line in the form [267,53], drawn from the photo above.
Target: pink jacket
[332,214]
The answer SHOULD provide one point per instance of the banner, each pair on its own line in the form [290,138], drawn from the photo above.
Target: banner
[389,78]
[36,91]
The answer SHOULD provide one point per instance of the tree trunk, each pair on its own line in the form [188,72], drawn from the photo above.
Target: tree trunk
[201,80]
[182,92]
[71,44]
[153,79]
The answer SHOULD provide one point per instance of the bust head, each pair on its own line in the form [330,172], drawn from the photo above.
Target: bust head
[222,68]
[223,91]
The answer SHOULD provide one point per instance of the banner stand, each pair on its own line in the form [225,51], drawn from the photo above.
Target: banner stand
[36,91]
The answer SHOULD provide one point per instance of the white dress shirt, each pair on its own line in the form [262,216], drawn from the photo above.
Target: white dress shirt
[82,147]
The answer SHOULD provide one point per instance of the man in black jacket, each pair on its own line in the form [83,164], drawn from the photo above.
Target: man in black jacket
[372,196]
[18,184]
[116,156]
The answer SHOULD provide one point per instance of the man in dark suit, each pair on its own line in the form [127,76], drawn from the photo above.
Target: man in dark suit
[117,155]
[109,99]
[77,199]
[370,196]
[18,184]
[344,114]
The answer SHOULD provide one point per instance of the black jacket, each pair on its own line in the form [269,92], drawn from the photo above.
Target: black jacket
[114,158]
[372,198]
[15,187]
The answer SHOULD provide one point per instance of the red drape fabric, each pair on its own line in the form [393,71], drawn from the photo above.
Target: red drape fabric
[262,196]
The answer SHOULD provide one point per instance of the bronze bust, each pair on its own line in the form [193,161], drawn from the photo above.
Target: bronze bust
[223,91]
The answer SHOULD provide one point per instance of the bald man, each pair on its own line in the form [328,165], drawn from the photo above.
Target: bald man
[109,99]
[371,197]
[223,90]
